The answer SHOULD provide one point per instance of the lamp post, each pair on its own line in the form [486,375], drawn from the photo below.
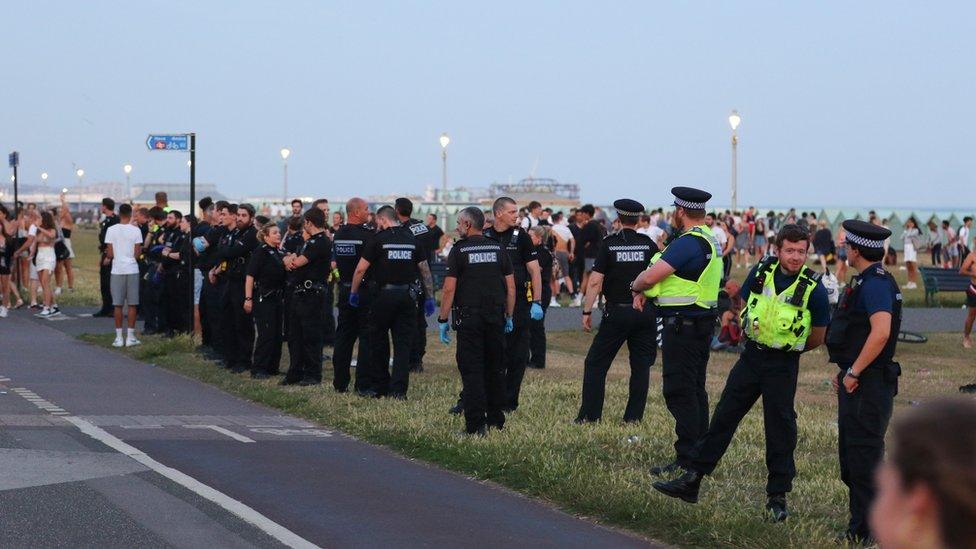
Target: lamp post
[128,188]
[80,173]
[44,184]
[285,153]
[734,120]
[445,141]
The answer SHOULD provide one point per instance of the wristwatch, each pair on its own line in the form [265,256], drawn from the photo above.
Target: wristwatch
[248,299]
[850,372]
[441,320]
[587,313]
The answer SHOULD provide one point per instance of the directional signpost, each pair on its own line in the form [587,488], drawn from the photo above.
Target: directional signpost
[182,142]
[14,160]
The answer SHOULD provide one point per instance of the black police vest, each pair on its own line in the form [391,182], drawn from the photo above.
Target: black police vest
[512,248]
[480,282]
[849,328]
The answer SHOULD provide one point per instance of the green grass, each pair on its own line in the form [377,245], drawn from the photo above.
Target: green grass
[593,470]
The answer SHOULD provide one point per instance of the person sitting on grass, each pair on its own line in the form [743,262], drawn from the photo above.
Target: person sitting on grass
[123,244]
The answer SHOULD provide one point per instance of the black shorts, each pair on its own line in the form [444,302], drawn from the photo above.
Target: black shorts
[971,296]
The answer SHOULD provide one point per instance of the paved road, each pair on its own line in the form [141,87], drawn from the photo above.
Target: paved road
[101,450]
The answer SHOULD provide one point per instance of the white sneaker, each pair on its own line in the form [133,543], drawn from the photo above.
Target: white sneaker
[3,312]
[132,341]
[554,303]
[45,312]
[119,342]
[57,291]
[577,301]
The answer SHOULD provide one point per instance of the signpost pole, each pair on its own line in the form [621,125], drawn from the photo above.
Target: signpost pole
[193,222]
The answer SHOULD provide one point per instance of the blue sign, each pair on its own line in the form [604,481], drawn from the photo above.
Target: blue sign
[177,142]
[14,159]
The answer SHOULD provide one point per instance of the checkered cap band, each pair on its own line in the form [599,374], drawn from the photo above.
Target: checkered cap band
[688,204]
[631,214]
[865,242]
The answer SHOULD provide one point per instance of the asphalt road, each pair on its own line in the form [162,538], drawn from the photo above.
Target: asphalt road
[101,450]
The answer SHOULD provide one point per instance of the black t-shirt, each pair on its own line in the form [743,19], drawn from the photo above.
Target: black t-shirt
[393,256]
[480,267]
[292,243]
[176,241]
[347,248]
[520,251]
[434,240]
[103,226]
[318,251]
[620,259]
[545,268]
[422,233]
[235,248]
[589,237]
[267,268]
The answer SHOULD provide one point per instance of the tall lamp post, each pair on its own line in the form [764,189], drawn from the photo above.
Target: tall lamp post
[445,141]
[285,153]
[734,120]
[44,184]
[80,173]
[128,187]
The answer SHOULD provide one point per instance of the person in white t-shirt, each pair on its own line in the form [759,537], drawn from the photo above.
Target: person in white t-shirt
[647,226]
[123,242]
[533,216]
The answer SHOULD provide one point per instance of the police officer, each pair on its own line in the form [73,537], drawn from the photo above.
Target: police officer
[306,314]
[175,284]
[238,326]
[621,257]
[347,248]
[786,313]
[861,340]
[291,244]
[105,263]
[684,280]
[394,264]
[213,287]
[480,288]
[263,288]
[154,310]
[528,292]
[537,328]
[425,301]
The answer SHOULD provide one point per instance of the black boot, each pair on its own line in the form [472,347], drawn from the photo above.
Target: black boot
[684,487]
[458,408]
[776,507]
[661,470]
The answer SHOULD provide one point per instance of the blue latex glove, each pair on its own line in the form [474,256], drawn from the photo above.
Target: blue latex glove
[536,312]
[445,336]
[509,325]
[354,300]
[429,306]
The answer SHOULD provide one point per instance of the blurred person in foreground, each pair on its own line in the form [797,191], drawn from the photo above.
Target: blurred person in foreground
[927,486]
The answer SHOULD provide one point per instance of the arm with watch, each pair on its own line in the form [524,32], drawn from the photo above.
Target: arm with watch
[248,293]
[880,332]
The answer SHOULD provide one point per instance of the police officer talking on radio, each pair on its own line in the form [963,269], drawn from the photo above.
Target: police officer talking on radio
[621,257]
[394,263]
[683,281]
[786,313]
[479,288]
[861,340]
[353,322]
[307,314]
[528,292]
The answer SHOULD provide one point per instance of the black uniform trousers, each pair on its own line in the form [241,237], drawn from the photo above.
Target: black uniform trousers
[213,294]
[537,334]
[305,332]
[862,420]
[684,352]
[105,286]
[267,311]
[769,374]
[175,301]
[393,313]
[353,324]
[154,312]
[238,327]
[480,345]
[516,354]
[207,331]
[621,324]
[418,346]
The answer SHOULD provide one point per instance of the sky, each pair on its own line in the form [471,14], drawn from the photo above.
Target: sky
[842,103]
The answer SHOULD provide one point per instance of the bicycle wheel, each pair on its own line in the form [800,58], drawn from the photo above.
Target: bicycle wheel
[911,337]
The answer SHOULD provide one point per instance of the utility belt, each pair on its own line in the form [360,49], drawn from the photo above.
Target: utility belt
[699,325]
[263,293]
[464,315]
[755,345]
[309,287]
[397,287]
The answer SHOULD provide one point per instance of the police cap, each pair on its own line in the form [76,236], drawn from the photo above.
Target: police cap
[864,234]
[689,198]
[628,207]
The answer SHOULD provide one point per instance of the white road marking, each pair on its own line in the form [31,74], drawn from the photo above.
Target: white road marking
[140,426]
[290,432]
[221,430]
[250,515]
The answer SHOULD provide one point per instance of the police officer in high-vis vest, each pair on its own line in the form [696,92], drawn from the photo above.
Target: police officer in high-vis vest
[786,313]
[861,340]
[683,281]
[622,256]
[479,291]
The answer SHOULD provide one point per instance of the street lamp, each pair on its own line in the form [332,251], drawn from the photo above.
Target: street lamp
[128,188]
[445,141]
[285,153]
[734,120]
[80,173]
[44,178]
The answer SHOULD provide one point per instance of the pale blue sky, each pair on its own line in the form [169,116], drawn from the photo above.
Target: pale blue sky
[843,103]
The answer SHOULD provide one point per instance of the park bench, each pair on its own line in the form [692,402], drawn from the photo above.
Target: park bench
[937,280]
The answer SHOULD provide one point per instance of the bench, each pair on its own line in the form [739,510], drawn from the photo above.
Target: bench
[937,279]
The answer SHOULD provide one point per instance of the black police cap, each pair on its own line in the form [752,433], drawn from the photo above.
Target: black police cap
[628,207]
[690,198]
[864,234]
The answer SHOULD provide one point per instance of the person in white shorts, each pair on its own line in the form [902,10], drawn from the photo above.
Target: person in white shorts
[911,241]
[45,261]
[123,243]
